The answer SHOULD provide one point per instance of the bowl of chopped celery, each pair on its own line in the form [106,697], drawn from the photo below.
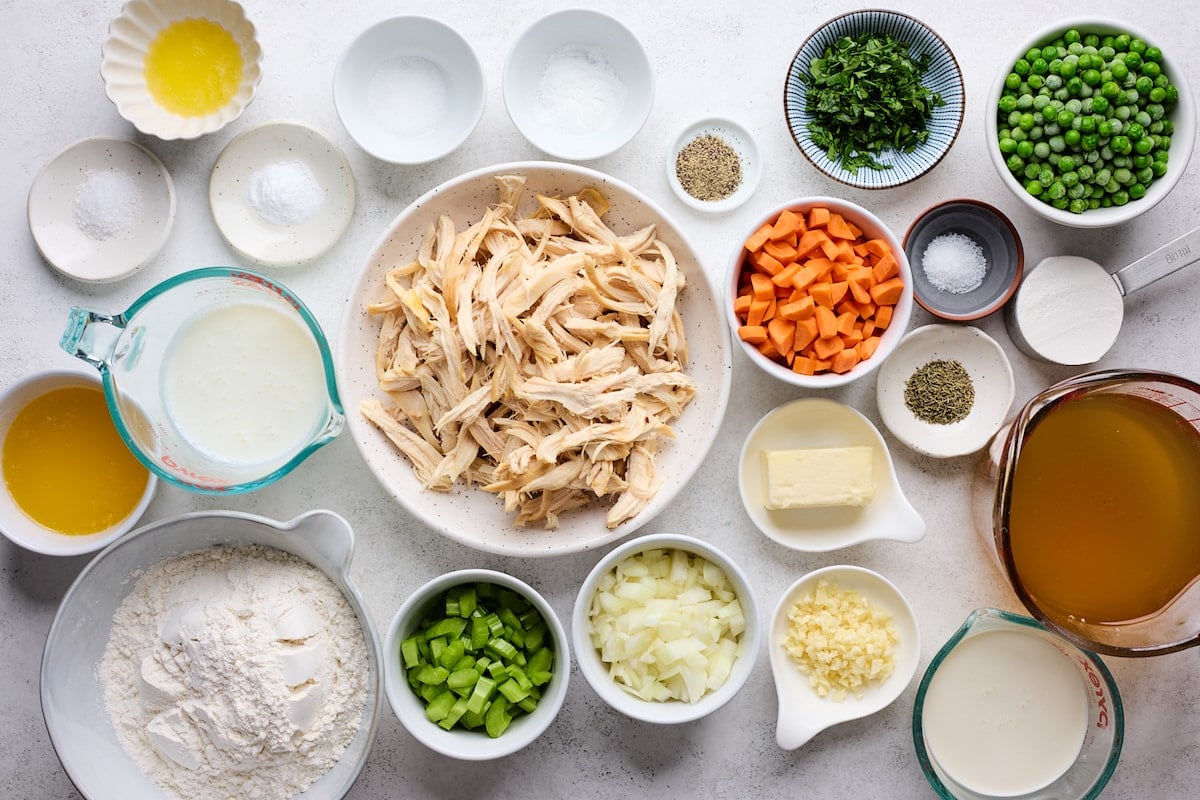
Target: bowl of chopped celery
[477,664]
[1090,123]
[874,99]
[666,628]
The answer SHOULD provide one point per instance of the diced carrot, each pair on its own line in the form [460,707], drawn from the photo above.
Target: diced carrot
[767,263]
[782,333]
[810,240]
[799,309]
[852,338]
[783,292]
[785,275]
[883,317]
[885,268]
[782,252]
[818,216]
[888,292]
[822,294]
[759,311]
[761,286]
[845,323]
[828,347]
[754,334]
[877,247]
[768,350]
[826,322]
[804,277]
[759,238]
[837,290]
[867,347]
[804,365]
[860,285]
[807,332]
[822,265]
[868,328]
[741,305]
[785,225]
[837,227]
[845,361]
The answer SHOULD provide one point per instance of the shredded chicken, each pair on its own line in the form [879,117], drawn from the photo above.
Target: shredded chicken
[540,358]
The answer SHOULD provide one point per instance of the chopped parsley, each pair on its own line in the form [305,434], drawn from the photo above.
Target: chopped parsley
[865,96]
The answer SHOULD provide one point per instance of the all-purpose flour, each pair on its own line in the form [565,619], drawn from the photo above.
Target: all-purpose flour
[235,672]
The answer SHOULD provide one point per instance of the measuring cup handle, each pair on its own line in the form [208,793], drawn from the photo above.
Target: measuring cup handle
[1172,256]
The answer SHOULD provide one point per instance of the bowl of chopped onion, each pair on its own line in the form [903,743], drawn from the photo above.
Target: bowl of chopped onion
[666,629]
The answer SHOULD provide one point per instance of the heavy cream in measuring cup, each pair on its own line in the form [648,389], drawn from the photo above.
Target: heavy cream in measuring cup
[245,383]
[1005,714]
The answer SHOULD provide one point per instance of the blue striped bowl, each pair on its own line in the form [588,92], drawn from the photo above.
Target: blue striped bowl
[943,76]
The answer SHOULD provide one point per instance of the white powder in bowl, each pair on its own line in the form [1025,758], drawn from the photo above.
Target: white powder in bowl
[107,204]
[954,263]
[235,672]
[579,91]
[285,193]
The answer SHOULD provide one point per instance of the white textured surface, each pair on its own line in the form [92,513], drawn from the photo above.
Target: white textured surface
[709,58]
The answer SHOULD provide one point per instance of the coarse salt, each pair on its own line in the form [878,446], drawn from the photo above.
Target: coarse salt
[409,95]
[285,193]
[107,204]
[579,91]
[954,263]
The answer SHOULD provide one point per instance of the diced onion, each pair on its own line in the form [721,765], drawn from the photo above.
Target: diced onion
[668,624]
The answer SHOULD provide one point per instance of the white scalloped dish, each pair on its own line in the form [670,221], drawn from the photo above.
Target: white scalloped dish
[123,63]
[813,422]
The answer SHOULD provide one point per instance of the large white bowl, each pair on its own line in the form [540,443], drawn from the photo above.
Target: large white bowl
[18,526]
[437,86]
[470,515]
[410,709]
[123,57]
[600,37]
[872,227]
[669,712]
[1182,141]
[73,696]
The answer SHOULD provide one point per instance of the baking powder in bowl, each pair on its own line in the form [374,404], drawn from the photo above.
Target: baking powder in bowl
[235,672]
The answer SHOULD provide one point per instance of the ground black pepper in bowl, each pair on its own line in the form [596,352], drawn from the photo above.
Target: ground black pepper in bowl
[709,168]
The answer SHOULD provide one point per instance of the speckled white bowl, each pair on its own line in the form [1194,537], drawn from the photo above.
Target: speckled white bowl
[123,56]
[595,671]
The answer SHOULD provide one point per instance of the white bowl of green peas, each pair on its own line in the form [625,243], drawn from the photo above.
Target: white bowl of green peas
[476,664]
[1090,123]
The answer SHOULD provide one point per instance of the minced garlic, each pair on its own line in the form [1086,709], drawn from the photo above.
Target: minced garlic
[840,641]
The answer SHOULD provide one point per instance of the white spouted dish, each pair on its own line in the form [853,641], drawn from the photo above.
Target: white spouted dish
[668,624]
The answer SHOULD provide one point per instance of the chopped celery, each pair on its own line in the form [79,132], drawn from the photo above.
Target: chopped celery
[409,652]
[478,658]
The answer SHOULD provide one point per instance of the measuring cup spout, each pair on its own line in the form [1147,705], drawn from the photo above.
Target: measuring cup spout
[91,336]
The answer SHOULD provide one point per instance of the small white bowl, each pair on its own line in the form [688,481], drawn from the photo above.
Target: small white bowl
[544,102]
[813,422]
[742,142]
[409,90]
[18,526]
[990,373]
[802,712]
[281,145]
[123,57]
[101,209]
[410,709]
[872,227]
[1183,116]
[670,712]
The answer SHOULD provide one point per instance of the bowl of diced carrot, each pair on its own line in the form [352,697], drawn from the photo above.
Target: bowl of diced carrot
[819,292]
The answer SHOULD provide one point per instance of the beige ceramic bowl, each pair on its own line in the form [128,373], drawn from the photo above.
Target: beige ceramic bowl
[123,58]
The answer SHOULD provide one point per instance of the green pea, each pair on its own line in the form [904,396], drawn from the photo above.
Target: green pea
[1107,52]
[1021,67]
[1072,138]
[1025,122]
[1105,129]
[1065,117]
[1007,103]
[1100,104]
[1066,163]
[1025,101]
[1121,41]
[1013,81]
[1119,70]
[1036,81]
[1123,176]
[1015,163]
[1151,70]
[1077,206]
[1153,54]
[1086,172]
[1025,148]
[1120,197]
[1091,40]
[1137,191]
[1143,146]
[1144,85]
[1144,175]
[1133,60]
[1056,190]
[1157,94]
[1159,168]
[1110,90]
[1031,171]
[1091,76]
[1039,66]
[1071,36]
[1041,150]
[1137,46]
[1034,188]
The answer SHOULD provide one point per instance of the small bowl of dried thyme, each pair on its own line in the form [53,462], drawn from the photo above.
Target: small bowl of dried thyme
[874,99]
[714,165]
[945,390]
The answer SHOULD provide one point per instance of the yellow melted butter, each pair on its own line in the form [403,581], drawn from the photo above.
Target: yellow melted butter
[66,466]
[193,67]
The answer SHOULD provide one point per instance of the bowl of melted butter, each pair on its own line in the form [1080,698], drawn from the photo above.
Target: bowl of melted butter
[178,69]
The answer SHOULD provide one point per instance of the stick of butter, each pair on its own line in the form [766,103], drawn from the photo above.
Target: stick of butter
[819,477]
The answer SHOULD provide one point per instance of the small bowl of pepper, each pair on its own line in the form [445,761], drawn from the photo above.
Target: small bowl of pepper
[945,390]
[874,99]
[714,165]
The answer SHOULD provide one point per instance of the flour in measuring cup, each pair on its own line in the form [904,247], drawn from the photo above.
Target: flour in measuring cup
[235,672]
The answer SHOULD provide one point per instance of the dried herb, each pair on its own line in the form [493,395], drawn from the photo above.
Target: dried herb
[865,96]
[940,392]
[708,168]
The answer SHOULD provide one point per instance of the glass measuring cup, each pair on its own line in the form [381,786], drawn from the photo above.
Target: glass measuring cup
[219,380]
[1006,708]
[1132,562]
